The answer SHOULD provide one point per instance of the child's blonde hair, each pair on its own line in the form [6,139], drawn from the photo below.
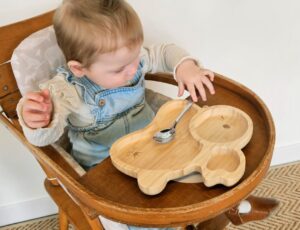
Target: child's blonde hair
[87,28]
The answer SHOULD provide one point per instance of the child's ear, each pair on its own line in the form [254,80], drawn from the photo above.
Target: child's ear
[76,68]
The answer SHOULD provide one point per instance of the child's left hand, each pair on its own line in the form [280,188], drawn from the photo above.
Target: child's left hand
[191,76]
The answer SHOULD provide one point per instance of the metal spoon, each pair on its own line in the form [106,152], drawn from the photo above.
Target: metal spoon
[166,135]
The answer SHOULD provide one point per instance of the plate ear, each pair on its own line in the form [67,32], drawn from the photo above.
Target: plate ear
[152,182]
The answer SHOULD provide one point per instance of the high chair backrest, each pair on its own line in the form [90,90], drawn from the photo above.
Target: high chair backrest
[36,59]
[10,37]
[55,165]
[10,89]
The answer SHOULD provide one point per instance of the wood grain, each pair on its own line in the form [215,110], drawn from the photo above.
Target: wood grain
[208,140]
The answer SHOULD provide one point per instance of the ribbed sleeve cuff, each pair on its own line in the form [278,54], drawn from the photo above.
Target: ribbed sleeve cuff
[41,136]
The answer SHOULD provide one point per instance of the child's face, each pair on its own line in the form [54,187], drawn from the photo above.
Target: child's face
[114,69]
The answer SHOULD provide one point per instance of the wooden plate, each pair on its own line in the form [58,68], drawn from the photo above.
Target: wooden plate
[208,141]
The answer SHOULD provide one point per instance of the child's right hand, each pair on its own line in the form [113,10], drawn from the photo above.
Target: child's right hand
[37,109]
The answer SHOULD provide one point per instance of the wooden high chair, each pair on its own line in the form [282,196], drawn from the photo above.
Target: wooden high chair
[82,197]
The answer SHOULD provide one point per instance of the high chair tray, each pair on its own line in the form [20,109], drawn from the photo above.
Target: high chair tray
[208,140]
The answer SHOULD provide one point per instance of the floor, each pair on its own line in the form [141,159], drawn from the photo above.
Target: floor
[282,182]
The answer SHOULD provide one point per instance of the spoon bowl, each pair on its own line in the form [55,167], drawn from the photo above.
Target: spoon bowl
[166,135]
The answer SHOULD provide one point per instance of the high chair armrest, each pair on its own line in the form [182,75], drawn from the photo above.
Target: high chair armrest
[161,77]
[56,153]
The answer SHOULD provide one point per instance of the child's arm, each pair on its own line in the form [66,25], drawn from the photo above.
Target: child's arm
[44,117]
[186,70]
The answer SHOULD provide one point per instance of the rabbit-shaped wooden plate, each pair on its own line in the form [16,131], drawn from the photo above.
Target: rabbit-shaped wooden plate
[208,140]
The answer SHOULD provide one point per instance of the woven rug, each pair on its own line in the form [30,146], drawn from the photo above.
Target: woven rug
[282,182]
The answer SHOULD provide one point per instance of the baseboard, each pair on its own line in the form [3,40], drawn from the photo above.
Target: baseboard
[286,154]
[44,206]
[27,210]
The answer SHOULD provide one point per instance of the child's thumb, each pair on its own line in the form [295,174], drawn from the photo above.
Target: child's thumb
[46,95]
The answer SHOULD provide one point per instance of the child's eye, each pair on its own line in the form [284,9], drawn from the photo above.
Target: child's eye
[118,71]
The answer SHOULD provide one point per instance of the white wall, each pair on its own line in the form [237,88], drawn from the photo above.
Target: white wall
[22,195]
[254,42]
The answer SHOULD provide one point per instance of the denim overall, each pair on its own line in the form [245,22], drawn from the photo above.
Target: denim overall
[116,112]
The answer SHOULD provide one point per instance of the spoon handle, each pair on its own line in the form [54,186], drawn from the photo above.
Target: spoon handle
[186,108]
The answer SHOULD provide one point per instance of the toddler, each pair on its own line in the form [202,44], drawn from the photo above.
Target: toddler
[99,93]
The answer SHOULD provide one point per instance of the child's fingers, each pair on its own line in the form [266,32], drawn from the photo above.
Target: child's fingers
[46,95]
[37,124]
[35,106]
[210,74]
[36,110]
[209,85]
[201,91]
[34,96]
[36,117]
[180,89]
[191,89]
[42,96]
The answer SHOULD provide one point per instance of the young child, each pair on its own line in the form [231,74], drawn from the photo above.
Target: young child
[99,94]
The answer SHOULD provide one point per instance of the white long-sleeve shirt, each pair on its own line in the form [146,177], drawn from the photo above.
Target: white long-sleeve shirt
[68,103]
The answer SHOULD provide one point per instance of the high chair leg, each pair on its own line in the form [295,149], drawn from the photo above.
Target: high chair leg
[95,223]
[63,220]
